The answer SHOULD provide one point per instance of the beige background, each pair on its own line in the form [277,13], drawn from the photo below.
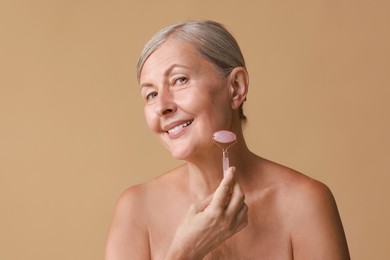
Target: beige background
[72,133]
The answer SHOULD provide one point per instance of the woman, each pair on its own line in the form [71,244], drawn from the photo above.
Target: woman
[194,82]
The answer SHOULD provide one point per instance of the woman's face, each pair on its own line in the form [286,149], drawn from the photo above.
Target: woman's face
[186,99]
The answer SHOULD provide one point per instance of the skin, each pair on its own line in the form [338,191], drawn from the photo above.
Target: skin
[260,210]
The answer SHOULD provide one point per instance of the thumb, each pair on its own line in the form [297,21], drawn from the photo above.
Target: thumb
[222,194]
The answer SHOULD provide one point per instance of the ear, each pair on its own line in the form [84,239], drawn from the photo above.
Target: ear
[239,82]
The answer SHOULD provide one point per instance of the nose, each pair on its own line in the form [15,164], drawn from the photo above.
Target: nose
[165,103]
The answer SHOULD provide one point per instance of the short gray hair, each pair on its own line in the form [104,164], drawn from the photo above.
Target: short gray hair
[210,38]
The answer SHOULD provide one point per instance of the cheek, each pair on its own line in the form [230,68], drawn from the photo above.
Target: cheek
[150,119]
[214,103]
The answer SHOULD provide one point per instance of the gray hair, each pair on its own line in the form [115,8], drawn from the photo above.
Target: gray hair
[211,39]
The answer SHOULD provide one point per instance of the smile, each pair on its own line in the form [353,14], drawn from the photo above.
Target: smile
[177,128]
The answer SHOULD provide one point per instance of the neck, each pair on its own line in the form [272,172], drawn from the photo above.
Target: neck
[205,173]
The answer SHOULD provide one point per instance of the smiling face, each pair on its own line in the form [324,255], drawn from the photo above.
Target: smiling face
[186,99]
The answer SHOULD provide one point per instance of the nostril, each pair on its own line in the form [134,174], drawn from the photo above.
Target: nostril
[165,103]
[167,111]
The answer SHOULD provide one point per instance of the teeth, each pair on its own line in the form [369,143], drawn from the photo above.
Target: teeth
[177,128]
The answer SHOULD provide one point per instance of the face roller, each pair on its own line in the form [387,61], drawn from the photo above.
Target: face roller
[224,139]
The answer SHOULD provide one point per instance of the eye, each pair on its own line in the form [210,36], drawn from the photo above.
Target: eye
[181,80]
[151,96]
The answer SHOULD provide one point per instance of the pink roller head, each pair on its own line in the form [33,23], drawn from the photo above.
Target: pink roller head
[224,136]
[224,139]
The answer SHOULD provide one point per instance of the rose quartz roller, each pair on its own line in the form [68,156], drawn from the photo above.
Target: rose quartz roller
[224,139]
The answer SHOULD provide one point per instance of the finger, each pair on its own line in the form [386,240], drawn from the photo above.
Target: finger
[242,217]
[222,193]
[200,205]
[237,199]
[243,212]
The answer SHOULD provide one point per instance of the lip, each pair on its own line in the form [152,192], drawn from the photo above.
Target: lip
[174,124]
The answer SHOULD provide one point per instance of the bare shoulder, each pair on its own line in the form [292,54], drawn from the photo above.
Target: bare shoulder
[147,194]
[305,190]
[299,193]
[131,199]
[129,233]
[312,215]
[293,185]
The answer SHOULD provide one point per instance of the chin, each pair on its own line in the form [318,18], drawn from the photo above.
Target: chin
[182,152]
[179,155]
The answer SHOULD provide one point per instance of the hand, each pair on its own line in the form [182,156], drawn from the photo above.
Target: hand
[211,221]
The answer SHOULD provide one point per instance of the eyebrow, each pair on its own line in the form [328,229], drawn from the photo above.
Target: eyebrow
[166,73]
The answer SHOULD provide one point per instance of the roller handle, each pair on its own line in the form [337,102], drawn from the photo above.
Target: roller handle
[225,162]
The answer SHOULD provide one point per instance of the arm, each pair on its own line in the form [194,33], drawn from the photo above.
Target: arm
[317,229]
[128,236]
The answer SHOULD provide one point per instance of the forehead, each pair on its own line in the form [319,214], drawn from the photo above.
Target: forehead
[173,52]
